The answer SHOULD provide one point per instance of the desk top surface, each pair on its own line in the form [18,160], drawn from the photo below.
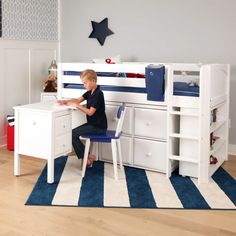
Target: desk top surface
[47,106]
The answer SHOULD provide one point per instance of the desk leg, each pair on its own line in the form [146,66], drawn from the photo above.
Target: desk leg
[16,163]
[50,178]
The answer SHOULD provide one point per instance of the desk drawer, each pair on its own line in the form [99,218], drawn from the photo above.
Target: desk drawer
[150,123]
[63,144]
[62,124]
[150,154]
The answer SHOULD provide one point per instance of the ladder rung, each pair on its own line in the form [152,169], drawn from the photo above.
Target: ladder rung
[183,113]
[183,158]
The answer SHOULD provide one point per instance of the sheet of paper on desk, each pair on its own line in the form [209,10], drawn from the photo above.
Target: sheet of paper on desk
[58,106]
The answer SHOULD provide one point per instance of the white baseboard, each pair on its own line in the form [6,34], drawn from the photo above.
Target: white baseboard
[232,149]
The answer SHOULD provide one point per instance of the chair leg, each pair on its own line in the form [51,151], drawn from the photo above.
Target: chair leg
[120,154]
[86,152]
[114,156]
[97,150]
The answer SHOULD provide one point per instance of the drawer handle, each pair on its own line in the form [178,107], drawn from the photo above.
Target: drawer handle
[34,123]
[148,154]
[149,123]
[63,145]
[64,126]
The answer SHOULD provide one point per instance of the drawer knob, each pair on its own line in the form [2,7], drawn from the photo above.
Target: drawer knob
[149,123]
[63,145]
[64,126]
[34,123]
[148,154]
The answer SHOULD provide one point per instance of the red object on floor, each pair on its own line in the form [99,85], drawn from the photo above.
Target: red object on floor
[10,138]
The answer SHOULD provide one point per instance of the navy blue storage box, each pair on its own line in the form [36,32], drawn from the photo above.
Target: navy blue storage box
[155,82]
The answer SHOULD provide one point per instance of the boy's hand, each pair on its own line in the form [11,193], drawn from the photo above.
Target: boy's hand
[61,102]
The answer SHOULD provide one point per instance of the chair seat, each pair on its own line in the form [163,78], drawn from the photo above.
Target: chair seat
[105,138]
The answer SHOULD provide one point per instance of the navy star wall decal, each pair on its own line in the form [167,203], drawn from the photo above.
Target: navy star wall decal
[100,31]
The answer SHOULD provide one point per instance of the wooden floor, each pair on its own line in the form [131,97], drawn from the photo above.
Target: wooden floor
[16,219]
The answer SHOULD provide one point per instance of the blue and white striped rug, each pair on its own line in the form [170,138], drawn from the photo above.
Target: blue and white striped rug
[136,188]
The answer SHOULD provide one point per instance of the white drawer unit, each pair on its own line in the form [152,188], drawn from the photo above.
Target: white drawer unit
[143,143]
[150,154]
[150,123]
[43,131]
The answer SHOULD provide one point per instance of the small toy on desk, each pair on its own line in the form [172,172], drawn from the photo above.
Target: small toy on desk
[50,84]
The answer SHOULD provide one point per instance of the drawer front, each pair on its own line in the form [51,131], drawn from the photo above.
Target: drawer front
[126,148]
[63,144]
[150,123]
[62,124]
[150,154]
[111,111]
[35,134]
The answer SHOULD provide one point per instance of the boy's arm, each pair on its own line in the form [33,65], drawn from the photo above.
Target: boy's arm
[71,102]
[87,111]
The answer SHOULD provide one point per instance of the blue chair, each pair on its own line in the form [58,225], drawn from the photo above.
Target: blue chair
[111,136]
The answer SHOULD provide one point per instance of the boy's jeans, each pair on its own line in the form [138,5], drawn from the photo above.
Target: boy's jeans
[83,129]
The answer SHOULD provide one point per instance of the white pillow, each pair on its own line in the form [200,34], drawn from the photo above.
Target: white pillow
[108,60]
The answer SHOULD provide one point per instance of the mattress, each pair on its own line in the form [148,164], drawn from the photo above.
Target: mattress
[186,89]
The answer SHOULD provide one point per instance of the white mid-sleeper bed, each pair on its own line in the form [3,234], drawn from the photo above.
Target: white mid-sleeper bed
[169,114]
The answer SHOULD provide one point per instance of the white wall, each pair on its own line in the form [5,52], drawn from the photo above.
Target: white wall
[154,30]
[28,45]
[23,69]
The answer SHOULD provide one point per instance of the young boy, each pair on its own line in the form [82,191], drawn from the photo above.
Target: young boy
[94,110]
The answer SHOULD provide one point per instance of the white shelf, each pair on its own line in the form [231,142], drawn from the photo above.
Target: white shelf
[216,125]
[217,145]
[213,167]
[218,101]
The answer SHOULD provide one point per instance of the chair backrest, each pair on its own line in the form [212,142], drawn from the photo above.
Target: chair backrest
[120,117]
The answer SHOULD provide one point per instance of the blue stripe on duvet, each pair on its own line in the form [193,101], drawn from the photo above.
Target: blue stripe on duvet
[92,189]
[43,192]
[139,190]
[104,74]
[226,182]
[187,192]
[110,88]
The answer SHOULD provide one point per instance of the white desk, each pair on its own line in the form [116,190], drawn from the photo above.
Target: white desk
[42,130]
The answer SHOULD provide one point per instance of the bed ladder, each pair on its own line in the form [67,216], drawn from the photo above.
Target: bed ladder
[184,132]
